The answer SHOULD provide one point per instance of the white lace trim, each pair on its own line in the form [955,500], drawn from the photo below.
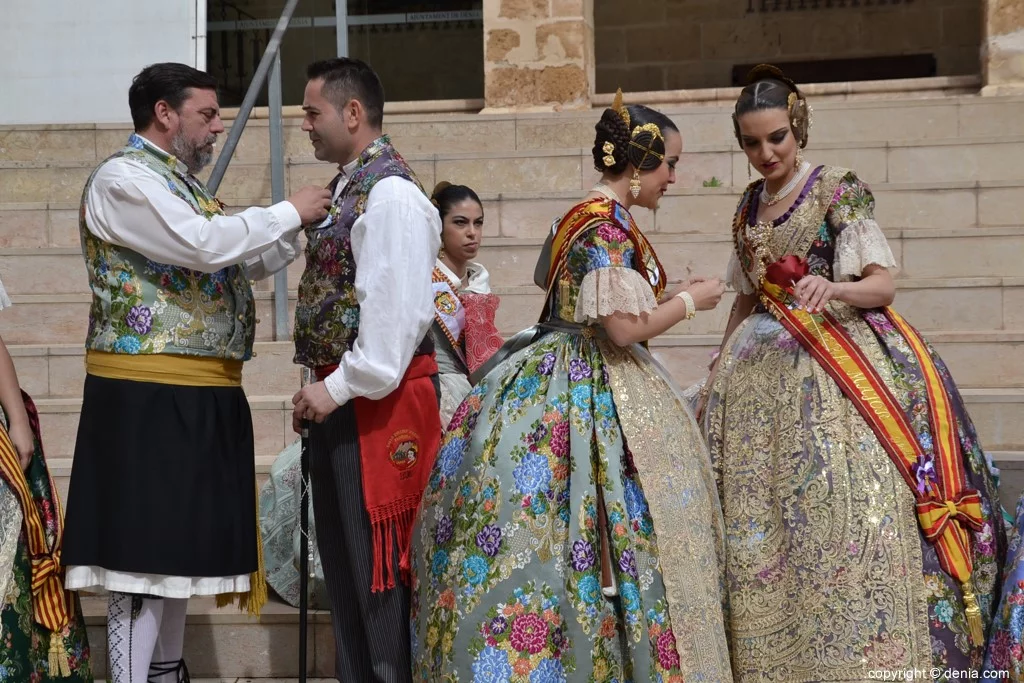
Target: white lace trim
[735,276]
[860,244]
[616,289]
[10,532]
[97,578]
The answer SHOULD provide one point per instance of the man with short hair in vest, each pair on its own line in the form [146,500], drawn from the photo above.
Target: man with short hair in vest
[365,307]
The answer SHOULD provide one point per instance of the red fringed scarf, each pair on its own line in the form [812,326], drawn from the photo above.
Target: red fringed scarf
[398,440]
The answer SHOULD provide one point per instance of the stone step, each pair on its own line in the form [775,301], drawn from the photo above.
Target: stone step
[963,159]
[886,117]
[977,303]
[55,275]
[64,318]
[1011,477]
[931,205]
[959,300]
[996,413]
[979,358]
[223,644]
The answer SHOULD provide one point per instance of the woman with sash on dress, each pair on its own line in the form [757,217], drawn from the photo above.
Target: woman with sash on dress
[463,331]
[1006,642]
[863,530]
[42,635]
[570,528]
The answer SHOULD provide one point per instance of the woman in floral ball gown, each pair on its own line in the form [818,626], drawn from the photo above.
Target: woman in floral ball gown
[570,528]
[42,636]
[863,530]
[1006,642]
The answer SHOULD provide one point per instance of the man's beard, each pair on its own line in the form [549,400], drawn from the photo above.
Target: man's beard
[195,156]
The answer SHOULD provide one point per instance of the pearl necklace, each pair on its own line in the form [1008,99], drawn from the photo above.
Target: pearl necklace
[608,192]
[770,199]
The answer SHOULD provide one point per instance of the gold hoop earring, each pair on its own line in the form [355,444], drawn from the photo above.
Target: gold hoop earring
[634,184]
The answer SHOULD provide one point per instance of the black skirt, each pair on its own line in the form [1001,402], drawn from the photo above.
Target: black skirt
[163,481]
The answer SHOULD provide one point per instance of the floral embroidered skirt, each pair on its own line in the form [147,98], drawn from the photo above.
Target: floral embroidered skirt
[1005,652]
[24,643]
[507,548]
[829,577]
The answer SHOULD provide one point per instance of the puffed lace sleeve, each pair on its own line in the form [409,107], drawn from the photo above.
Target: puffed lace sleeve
[860,241]
[610,285]
[613,290]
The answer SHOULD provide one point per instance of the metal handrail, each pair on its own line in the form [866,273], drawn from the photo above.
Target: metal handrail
[260,77]
[269,63]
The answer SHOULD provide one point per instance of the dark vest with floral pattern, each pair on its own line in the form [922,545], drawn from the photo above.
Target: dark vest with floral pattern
[327,312]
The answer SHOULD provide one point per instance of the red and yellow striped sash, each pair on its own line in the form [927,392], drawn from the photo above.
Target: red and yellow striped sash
[50,602]
[589,213]
[946,507]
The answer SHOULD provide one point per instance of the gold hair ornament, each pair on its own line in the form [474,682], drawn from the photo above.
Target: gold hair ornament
[609,149]
[650,128]
[619,108]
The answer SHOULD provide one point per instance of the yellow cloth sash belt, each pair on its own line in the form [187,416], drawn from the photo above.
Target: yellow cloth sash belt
[165,368]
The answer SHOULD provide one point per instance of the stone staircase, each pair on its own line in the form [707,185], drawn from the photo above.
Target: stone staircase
[946,173]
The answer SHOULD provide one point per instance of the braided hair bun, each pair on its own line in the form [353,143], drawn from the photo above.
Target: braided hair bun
[611,129]
[630,147]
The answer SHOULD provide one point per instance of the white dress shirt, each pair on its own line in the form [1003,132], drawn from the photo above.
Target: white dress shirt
[395,244]
[129,205]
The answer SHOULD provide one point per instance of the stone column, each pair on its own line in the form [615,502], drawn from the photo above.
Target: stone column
[1002,48]
[538,54]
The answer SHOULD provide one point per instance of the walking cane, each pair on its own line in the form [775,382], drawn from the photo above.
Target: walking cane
[304,563]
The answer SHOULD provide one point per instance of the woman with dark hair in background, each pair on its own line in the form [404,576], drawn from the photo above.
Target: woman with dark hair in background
[570,526]
[464,332]
[863,531]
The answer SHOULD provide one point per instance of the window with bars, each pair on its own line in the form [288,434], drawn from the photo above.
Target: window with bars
[421,50]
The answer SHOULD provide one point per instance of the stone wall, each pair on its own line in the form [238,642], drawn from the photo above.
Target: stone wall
[538,53]
[1003,49]
[680,44]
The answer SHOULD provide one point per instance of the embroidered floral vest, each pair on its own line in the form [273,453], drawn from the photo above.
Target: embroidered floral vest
[140,306]
[327,312]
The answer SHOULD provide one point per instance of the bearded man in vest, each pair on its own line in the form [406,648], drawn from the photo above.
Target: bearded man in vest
[161,504]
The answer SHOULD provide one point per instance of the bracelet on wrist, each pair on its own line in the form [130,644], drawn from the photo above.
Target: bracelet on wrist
[691,308]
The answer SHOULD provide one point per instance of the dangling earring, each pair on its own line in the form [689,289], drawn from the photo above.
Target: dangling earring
[749,175]
[799,158]
[440,254]
[634,184]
